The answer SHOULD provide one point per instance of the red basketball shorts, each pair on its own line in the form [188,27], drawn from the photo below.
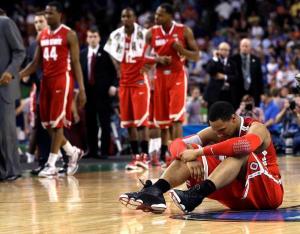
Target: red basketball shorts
[258,190]
[169,97]
[134,105]
[56,101]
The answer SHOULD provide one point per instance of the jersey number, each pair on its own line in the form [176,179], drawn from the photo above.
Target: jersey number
[50,55]
[129,59]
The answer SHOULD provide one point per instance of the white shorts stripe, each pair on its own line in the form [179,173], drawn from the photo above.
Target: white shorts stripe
[63,113]
[262,171]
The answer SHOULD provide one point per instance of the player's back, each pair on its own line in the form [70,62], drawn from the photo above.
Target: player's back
[268,156]
[162,43]
[55,51]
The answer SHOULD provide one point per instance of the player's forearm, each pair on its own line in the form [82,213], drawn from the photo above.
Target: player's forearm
[190,55]
[29,69]
[78,74]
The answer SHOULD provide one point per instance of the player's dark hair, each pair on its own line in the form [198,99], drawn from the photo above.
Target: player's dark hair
[57,5]
[168,8]
[129,9]
[220,110]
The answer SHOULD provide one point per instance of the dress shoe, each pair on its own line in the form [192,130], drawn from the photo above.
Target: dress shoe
[12,178]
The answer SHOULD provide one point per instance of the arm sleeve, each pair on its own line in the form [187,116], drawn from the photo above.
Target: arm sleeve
[179,145]
[237,146]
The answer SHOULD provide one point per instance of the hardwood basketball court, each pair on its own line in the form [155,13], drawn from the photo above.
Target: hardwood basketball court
[88,203]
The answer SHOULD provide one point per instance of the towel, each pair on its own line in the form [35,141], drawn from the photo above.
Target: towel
[115,44]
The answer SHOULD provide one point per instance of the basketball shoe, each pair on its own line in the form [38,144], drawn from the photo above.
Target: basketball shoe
[73,161]
[48,171]
[143,161]
[149,199]
[133,164]
[187,200]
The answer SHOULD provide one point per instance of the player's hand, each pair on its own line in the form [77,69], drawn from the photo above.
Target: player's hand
[146,68]
[76,117]
[25,79]
[189,155]
[5,78]
[177,46]
[196,169]
[81,98]
[164,60]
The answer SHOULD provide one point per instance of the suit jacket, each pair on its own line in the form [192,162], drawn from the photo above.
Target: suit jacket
[214,87]
[11,57]
[256,87]
[105,74]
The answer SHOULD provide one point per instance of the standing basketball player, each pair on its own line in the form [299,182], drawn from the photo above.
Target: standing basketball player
[126,47]
[58,51]
[168,38]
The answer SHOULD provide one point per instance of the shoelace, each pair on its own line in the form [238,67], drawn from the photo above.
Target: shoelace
[146,184]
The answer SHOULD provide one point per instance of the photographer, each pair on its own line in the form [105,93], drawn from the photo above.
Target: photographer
[222,72]
[247,109]
[289,117]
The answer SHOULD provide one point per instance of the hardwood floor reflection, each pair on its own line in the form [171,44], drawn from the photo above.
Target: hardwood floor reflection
[88,203]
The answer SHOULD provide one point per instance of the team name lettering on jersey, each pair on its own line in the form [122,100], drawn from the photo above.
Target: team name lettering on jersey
[51,42]
[160,42]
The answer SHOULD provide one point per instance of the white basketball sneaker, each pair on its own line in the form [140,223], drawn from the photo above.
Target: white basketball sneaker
[73,161]
[48,171]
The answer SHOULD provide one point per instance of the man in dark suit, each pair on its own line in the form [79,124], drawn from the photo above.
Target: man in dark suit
[250,78]
[222,73]
[100,80]
[11,57]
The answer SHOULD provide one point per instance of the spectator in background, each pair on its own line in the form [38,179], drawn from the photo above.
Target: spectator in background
[249,72]
[271,110]
[11,57]
[248,109]
[222,73]
[289,117]
[194,106]
[100,81]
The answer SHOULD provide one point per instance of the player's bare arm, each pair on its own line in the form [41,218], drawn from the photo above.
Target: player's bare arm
[256,140]
[34,64]
[163,60]
[74,53]
[192,52]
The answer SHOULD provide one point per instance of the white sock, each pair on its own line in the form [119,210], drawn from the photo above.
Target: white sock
[52,159]
[68,148]
[157,143]
[151,146]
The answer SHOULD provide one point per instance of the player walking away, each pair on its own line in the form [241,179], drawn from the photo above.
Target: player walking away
[58,51]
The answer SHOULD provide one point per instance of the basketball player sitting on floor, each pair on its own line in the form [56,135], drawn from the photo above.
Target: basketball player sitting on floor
[232,161]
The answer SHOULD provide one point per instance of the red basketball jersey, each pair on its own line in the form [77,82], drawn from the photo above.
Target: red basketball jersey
[268,156]
[55,51]
[162,43]
[131,67]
